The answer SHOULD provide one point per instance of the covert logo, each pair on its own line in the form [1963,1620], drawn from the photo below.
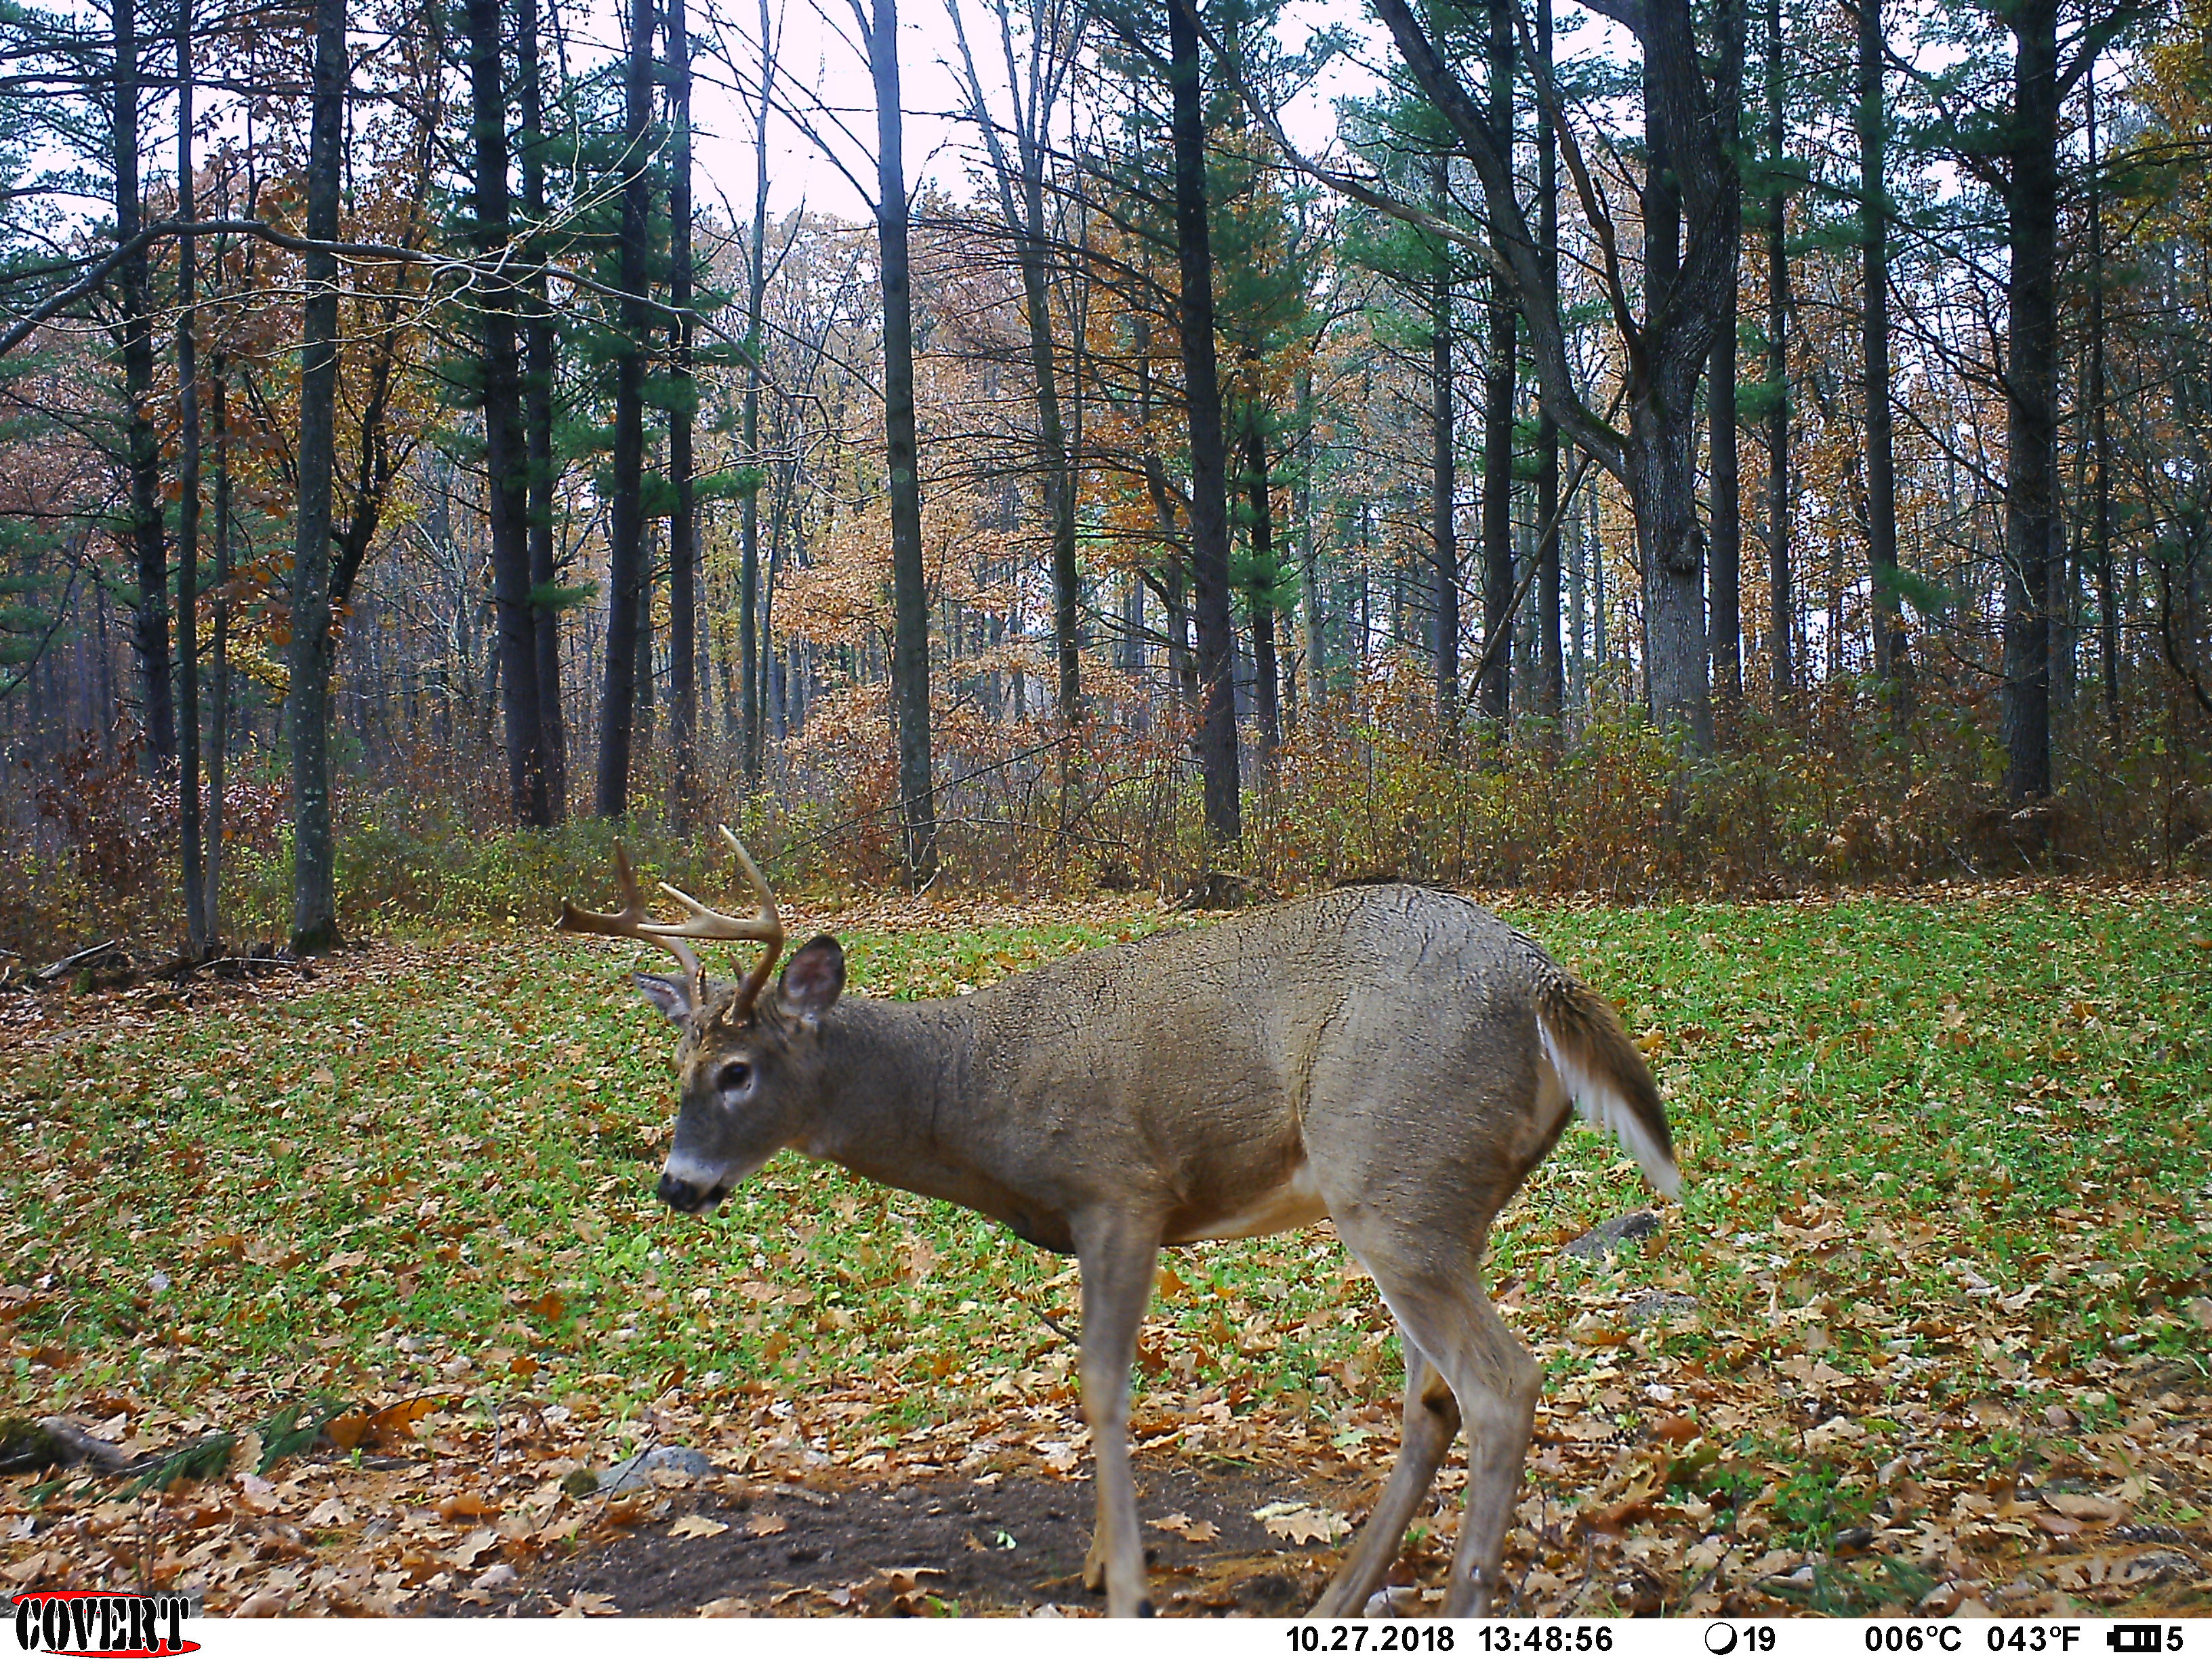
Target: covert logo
[103,1624]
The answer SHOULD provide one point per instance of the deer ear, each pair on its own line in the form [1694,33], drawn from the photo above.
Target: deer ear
[667,993]
[813,978]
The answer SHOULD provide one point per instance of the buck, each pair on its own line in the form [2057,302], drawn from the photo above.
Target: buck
[1395,1058]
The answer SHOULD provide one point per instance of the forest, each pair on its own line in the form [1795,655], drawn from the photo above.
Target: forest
[1606,452]
[1136,513]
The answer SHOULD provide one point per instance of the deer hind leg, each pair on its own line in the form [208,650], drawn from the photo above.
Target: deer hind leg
[1432,1418]
[1438,1299]
[1117,1256]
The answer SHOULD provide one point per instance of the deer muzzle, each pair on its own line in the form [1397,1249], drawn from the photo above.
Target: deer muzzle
[691,1195]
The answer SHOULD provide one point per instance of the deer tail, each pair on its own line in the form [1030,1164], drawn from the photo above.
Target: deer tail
[1604,1074]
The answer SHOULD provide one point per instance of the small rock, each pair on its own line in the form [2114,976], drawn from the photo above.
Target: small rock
[1600,1241]
[633,1473]
[1394,1602]
[1657,1304]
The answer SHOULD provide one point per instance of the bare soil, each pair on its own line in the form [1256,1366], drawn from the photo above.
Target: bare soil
[941,1545]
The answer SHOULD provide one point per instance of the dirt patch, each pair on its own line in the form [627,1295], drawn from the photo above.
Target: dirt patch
[1014,1546]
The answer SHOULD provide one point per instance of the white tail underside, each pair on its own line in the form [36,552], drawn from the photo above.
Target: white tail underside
[1602,1106]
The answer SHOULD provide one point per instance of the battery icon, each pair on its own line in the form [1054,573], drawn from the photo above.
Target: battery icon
[2136,1638]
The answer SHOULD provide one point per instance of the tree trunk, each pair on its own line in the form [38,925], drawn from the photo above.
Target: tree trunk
[150,630]
[1727,572]
[683,523]
[626,583]
[2100,436]
[909,584]
[507,475]
[1666,353]
[1550,692]
[2031,401]
[1444,484]
[1889,664]
[1313,638]
[749,568]
[1662,462]
[1025,222]
[219,714]
[199,943]
[538,371]
[1495,695]
[1267,681]
[1209,490]
[314,887]
[1781,615]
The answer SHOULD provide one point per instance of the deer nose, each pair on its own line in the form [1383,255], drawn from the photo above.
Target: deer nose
[686,1195]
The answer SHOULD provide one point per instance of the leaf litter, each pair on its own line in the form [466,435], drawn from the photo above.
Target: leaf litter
[376,1287]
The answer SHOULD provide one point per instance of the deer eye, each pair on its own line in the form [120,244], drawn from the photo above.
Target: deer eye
[734,1076]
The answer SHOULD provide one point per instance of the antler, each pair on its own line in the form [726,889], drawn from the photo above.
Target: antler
[633,921]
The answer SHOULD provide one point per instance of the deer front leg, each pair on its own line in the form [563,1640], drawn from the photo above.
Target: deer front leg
[1117,1254]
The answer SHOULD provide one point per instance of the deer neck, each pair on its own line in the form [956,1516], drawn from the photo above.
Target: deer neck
[897,1108]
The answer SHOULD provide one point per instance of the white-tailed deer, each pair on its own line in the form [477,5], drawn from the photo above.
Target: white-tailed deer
[1395,1058]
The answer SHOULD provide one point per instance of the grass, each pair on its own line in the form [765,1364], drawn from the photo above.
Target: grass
[1945,1156]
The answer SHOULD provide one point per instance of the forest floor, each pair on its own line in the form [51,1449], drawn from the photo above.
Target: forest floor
[369,1255]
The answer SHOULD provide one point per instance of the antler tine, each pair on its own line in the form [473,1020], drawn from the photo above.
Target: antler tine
[633,922]
[765,925]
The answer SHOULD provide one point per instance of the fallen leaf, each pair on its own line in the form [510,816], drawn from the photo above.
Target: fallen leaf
[1199,1532]
[587,1604]
[765,1526]
[697,1526]
[464,1555]
[1301,1523]
[2083,1506]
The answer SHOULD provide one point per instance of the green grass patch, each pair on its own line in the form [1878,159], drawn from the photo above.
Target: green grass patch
[1940,1151]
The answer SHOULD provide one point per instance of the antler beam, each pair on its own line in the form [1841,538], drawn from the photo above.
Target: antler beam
[633,921]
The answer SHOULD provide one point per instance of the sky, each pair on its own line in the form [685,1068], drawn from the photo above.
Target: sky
[820,72]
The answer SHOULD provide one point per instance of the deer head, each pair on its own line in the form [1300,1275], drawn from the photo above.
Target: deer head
[750,1065]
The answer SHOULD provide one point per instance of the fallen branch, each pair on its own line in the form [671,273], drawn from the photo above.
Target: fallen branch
[54,970]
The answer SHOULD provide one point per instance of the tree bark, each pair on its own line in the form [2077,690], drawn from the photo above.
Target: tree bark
[308,703]
[1551,691]
[199,941]
[1781,618]
[626,569]
[538,370]
[1444,482]
[1267,674]
[1889,663]
[506,474]
[683,522]
[1209,492]
[219,713]
[749,567]
[150,626]
[909,583]
[2101,435]
[1663,465]
[1495,695]
[1726,576]
[2031,400]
